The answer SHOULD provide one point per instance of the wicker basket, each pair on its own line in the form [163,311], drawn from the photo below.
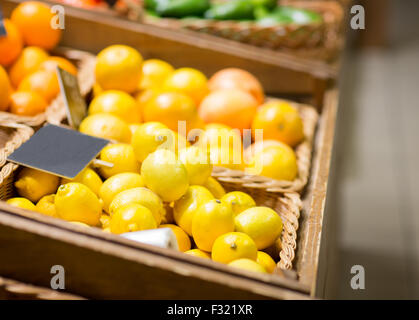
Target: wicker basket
[317,40]
[55,112]
[260,184]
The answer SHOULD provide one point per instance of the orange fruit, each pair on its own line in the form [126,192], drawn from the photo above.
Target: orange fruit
[171,107]
[234,78]
[279,121]
[27,103]
[43,82]
[28,62]
[10,45]
[189,81]
[184,243]
[34,22]
[51,64]
[232,107]
[119,67]
[5,91]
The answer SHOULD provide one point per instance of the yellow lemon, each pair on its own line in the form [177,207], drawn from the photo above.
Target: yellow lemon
[227,157]
[89,178]
[132,217]
[183,240]
[197,164]
[247,264]
[168,216]
[257,147]
[276,162]
[266,261]
[147,139]
[118,103]
[262,224]
[188,204]
[218,135]
[122,156]
[119,67]
[143,196]
[239,201]
[165,175]
[34,184]
[107,126]
[214,187]
[212,219]
[116,184]
[133,127]
[76,202]
[155,72]
[188,81]
[97,90]
[105,221]
[232,246]
[81,224]
[46,205]
[21,203]
[198,253]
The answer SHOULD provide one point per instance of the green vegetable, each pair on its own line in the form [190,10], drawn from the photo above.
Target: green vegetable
[268,4]
[231,10]
[286,15]
[151,5]
[181,8]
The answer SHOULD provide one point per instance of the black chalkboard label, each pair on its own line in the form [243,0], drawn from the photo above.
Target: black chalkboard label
[74,102]
[3,31]
[58,150]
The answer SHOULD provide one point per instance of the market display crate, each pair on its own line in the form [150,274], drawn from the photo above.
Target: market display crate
[55,112]
[316,40]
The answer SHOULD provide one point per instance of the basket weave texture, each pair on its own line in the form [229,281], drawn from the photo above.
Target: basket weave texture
[55,112]
[316,40]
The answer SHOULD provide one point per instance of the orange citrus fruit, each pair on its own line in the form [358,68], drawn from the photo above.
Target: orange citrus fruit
[6,90]
[27,103]
[279,121]
[10,45]
[234,78]
[43,82]
[188,81]
[51,64]
[232,107]
[119,67]
[171,107]
[28,62]
[184,243]
[34,22]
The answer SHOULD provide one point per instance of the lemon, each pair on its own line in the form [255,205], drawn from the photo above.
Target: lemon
[198,253]
[34,184]
[197,163]
[218,135]
[276,162]
[227,157]
[184,243]
[105,221]
[133,127]
[116,184]
[107,126]
[168,216]
[232,246]
[262,224]
[81,224]
[247,264]
[132,217]
[146,139]
[266,261]
[188,204]
[89,178]
[76,202]
[155,72]
[214,187]
[143,196]
[21,203]
[165,175]
[118,103]
[212,219]
[97,90]
[46,205]
[122,156]
[239,201]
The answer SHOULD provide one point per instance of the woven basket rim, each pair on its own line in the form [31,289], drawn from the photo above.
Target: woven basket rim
[303,152]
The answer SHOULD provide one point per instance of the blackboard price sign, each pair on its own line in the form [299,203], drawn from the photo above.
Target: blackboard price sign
[3,31]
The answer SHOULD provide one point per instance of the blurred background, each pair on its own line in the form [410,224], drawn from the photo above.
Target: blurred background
[377,154]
